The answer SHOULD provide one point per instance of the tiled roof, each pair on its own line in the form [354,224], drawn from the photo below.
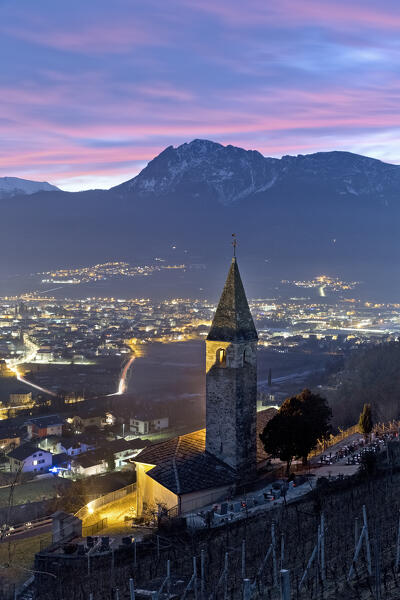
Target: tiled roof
[182,464]
[46,421]
[24,451]
[9,433]
[89,459]
[87,412]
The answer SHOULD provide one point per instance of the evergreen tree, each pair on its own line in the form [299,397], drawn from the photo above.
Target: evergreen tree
[365,422]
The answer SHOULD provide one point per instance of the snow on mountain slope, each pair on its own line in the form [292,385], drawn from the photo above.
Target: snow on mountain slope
[14,186]
[231,174]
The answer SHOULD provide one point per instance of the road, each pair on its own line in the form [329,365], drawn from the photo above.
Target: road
[28,356]
[122,385]
[28,532]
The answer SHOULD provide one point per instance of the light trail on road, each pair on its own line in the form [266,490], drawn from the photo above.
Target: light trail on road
[33,385]
[122,385]
[12,364]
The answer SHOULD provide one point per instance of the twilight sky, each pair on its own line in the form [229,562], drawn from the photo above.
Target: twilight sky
[90,90]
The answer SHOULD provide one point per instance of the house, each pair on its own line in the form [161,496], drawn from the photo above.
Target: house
[10,437]
[90,463]
[21,399]
[84,417]
[40,427]
[71,445]
[117,453]
[145,424]
[29,459]
[124,450]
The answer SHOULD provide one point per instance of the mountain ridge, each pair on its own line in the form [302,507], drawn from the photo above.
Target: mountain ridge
[231,173]
[15,186]
[335,213]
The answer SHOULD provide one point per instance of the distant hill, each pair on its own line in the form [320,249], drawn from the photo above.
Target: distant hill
[14,186]
[298,216]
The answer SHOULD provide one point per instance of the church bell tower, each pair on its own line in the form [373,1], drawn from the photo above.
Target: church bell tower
[231,379]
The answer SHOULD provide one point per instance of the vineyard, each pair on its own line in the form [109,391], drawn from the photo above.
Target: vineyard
[314,539]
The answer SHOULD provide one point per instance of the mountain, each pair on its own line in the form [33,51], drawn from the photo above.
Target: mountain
[336,213]
[232,174]
[14,186]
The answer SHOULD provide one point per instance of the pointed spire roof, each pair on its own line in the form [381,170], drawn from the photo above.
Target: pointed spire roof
[233,321]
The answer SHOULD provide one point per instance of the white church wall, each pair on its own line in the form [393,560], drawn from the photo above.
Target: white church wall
[150,493]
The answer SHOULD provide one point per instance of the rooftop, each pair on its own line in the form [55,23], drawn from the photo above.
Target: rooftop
[24,451]
[182,464]
[232,320]
[45,421]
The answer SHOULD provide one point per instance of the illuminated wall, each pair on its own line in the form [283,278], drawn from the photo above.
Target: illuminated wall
[149,493]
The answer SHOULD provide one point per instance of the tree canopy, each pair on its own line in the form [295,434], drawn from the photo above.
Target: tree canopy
[295,430]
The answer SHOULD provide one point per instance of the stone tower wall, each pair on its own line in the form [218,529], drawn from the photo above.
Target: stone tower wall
[232,404]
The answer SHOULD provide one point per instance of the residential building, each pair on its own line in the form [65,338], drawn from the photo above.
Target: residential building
[40,427]
[27,458]
[144,425]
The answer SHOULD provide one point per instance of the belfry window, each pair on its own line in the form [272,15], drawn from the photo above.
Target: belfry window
[221,357]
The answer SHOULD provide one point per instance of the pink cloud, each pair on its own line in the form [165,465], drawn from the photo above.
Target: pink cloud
[102,37]
[348,15]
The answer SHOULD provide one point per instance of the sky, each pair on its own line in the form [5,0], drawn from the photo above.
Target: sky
[91,90]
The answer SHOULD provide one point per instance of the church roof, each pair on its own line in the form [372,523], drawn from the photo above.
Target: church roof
[182,464]
[233,321]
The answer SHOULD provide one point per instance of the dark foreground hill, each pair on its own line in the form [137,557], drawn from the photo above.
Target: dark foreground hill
[334,212]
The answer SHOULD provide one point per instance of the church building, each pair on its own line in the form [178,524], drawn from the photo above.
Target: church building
[205,466]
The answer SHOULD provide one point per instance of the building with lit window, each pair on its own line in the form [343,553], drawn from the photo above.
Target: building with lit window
[27,458]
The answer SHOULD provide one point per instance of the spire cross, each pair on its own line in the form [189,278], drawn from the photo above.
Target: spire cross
[234,244]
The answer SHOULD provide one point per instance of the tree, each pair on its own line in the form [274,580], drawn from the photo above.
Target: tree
[316,417]
[300,423]
[365,422]
[279,438]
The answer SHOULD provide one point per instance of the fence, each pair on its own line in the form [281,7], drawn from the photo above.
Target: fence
[95,528]
[390,427]
[334,439]
[106,499]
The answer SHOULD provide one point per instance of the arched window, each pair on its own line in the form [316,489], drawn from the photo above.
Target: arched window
[221,357]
